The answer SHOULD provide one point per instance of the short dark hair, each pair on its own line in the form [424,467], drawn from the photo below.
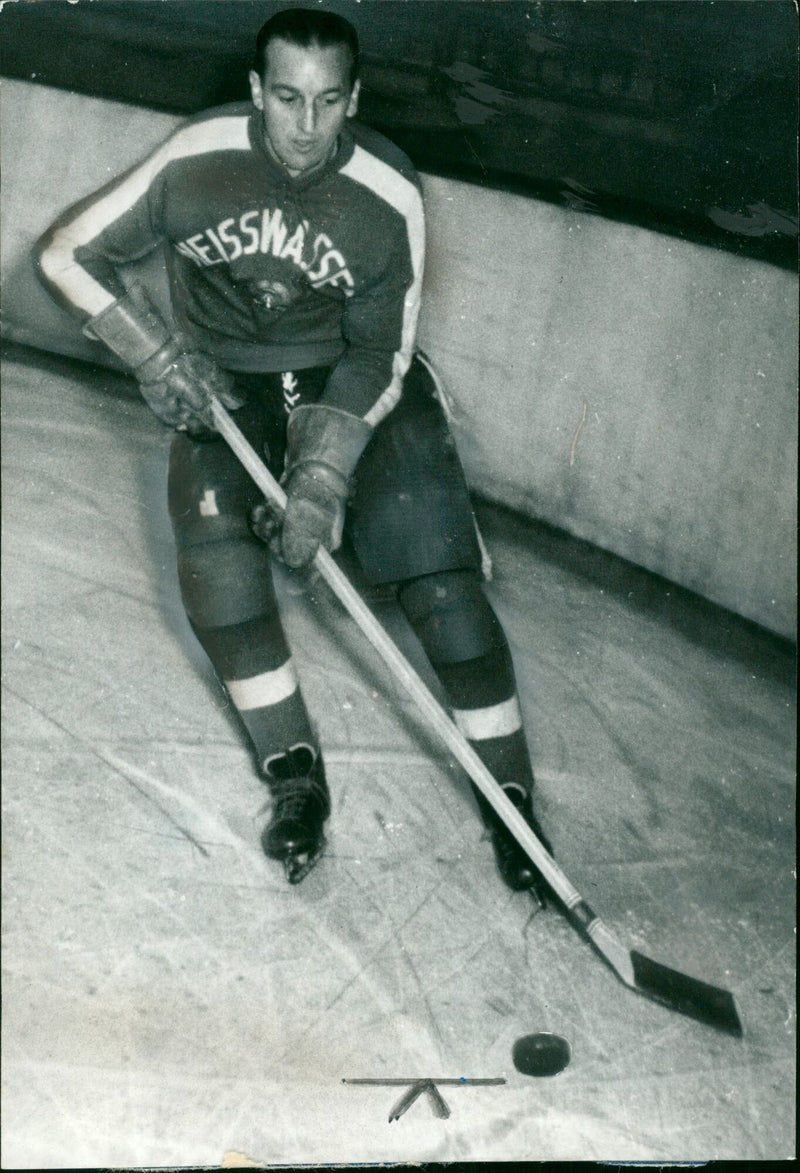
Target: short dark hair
[307,27]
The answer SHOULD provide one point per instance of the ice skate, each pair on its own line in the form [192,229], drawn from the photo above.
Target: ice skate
[300,805]
[518,872]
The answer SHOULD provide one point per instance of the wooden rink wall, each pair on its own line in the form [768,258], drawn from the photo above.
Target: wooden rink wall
[633,389]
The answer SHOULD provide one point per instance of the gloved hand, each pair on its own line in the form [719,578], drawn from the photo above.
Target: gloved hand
[265,522]
[176,379]
[316,498]
[324,446]
[176,384]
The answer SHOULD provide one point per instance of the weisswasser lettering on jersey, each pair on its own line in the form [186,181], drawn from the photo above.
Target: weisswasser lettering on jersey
[266,271]
[265,231]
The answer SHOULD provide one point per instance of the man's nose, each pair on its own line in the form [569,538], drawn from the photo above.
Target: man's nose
[309,118]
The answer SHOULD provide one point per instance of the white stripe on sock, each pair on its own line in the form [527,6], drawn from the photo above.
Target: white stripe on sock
[494,721]
[268,688]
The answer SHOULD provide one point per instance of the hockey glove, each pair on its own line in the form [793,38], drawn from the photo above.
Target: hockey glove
[174,377]
[324,445]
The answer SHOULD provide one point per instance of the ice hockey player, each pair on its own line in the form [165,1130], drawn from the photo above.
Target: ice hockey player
[294,240]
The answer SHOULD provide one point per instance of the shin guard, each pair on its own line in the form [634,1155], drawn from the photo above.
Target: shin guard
[467,647]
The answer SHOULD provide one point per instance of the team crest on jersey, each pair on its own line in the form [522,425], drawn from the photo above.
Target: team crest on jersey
[272,295]
[266,232]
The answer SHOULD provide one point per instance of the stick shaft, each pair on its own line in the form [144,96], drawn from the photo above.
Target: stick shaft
[437,718]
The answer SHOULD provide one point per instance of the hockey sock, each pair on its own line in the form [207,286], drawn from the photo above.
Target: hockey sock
[226,584]
[467,647]
[254,662]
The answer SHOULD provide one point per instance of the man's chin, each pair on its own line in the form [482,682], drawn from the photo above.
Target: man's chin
[301,161]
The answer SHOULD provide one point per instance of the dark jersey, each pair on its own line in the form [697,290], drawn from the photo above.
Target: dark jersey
[267,272]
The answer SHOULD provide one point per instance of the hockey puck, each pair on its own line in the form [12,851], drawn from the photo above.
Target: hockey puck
[541,1054]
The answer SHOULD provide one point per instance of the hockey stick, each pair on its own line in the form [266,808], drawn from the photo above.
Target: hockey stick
[688,995]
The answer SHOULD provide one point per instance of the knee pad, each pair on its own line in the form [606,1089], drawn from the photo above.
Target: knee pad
[207,485]
[224,571]
[451,616]
[227,581]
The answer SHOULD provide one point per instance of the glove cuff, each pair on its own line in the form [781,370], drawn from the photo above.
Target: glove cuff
[134,330]
[323,435]
[320,479]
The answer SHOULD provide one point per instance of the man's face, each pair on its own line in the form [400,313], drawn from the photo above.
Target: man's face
[304,99]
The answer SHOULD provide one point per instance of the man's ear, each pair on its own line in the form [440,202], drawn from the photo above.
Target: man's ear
[352,105]
[256,92]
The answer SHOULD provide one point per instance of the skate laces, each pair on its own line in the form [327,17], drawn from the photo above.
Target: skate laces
[297,785]
[291,797]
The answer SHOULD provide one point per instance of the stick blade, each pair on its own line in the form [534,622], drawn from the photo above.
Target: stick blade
[688,995]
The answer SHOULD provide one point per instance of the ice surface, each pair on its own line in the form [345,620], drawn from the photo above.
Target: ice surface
[170,1000]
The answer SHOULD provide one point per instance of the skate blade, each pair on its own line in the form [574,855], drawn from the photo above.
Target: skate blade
[297,867]
[538,899]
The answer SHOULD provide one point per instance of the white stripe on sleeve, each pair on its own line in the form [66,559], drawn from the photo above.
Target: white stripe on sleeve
[397,191]
[58,260]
